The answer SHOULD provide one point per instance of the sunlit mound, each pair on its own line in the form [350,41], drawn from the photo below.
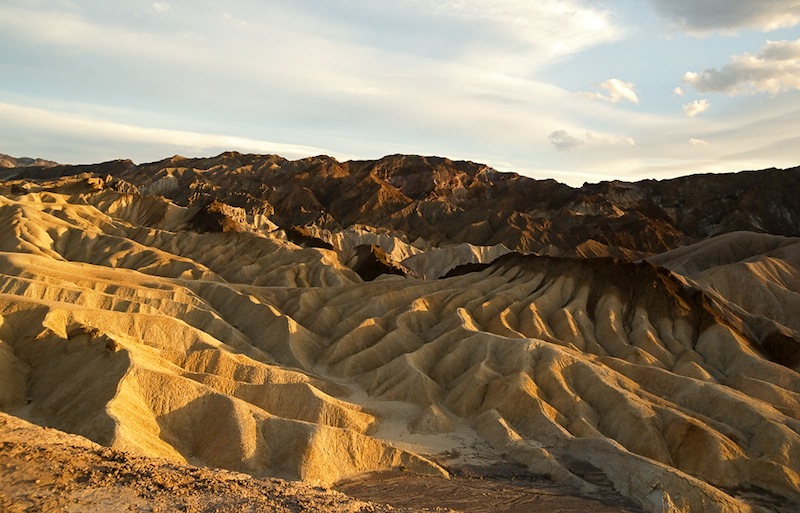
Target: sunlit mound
[675,380]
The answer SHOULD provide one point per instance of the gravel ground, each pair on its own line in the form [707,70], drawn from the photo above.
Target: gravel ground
[45,470]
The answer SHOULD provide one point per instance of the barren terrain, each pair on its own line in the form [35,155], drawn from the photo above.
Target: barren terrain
[173,311]
[49,471]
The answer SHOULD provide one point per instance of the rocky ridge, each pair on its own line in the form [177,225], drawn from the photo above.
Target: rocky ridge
[429,201]
[7,161]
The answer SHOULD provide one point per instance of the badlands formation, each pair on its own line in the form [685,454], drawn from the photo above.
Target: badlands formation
[315,320]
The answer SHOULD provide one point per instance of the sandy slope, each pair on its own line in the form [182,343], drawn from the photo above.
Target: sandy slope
[252,354]
[46,470]
[758,272]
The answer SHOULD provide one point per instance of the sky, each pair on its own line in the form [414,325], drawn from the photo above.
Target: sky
[579,91]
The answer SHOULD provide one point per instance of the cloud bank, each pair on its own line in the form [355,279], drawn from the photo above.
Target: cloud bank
[553,27]
[485,80]
[98,131]
[776,68]
[706,16]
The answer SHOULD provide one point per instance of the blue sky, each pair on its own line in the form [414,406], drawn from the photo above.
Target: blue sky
[567,89]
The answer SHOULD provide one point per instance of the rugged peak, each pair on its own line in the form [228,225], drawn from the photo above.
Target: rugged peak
[421,178]
[229,155]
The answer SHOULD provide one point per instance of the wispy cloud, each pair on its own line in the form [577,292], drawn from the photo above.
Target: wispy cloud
[616,91]
[614,140]
[161,6]
[706,16]
[487,80]
[540,30]
[776,68]
[696,107]
[698,142]
[54,123]
[563,141]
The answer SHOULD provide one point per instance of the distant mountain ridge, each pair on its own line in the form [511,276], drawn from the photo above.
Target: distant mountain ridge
[9,161]
[438,201]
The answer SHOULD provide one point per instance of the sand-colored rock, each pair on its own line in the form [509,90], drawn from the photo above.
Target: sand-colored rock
[48,470]
[435,263]
[247,352]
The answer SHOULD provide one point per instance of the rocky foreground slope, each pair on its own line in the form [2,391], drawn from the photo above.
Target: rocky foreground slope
[48,470]
[293,319]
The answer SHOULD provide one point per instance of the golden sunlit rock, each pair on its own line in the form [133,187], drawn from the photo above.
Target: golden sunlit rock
[197,332]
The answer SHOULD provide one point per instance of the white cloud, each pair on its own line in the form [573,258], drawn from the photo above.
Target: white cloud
[613,140]
[617,91]
[563,141]
[698,142]
[276,72]
[774,69]
[68,31]
[706,16]
[696,107]
[63,124]
[161,6]
[781,50]
[678,91]
[550,28]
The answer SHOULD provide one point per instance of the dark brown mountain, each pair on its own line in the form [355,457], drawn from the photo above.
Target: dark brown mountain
[443,201]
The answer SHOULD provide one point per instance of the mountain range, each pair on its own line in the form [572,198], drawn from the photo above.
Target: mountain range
[316,320]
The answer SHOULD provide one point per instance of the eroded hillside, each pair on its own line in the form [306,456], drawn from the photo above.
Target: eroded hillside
[165,310]
[421,202]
